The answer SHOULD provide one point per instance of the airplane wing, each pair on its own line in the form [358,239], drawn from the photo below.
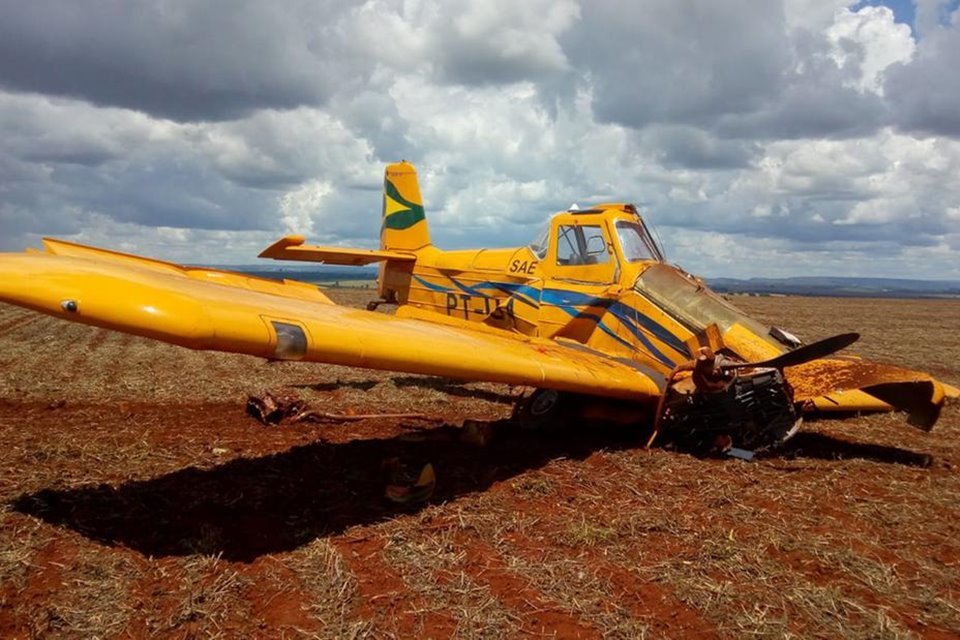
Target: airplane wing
[846,383]
[222,311]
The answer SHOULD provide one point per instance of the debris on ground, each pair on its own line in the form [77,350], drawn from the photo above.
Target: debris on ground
[272,410]
[402,489]
[320,416]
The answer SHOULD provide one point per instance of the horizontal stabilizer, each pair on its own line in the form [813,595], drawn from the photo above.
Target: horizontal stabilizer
[293,248]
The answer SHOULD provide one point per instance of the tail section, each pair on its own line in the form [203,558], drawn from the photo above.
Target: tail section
[404,226]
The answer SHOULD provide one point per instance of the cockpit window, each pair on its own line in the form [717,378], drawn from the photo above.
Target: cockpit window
[581,244]
[636,243]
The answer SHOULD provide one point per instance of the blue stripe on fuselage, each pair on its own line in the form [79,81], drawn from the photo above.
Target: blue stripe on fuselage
[600,324]
[433,287]
[567,300]
[631,317]
[524,293]
[623,312]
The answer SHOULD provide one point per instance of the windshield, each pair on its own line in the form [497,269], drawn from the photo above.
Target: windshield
[542,242]
[636,243]
[692,303]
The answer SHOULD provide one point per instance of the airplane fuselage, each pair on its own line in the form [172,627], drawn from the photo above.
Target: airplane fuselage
[564,289]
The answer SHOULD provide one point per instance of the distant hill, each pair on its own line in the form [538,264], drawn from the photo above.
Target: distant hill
[840,287]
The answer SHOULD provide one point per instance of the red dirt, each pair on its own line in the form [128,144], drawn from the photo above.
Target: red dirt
[540,615]
[18,321]
[383,593]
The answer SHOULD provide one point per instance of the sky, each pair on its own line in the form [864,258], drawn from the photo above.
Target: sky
[760,138]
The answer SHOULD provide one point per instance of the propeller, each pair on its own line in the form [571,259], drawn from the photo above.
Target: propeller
[800,355]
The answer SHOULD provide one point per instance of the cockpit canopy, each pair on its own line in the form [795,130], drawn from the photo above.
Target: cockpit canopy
[583,242]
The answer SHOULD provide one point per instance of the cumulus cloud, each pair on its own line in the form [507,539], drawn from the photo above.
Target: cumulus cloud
[680,62]
[822,130]
[871,39]
[194,59]
[925,91]
[690,147]
[502,40]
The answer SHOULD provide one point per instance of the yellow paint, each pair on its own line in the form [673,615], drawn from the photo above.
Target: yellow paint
[745,343]
[293,248]
[846,401]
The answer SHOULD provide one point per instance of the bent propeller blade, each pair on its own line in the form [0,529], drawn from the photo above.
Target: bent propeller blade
[800,355]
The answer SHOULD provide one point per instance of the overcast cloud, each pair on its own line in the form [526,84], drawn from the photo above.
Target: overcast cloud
[761,138]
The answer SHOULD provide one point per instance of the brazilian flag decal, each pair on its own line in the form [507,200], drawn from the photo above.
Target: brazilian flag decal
[398,212]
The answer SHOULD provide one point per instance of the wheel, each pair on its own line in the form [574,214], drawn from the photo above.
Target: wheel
[545,409]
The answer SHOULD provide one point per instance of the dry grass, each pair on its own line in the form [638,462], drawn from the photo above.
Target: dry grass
[216,594]
[433,565]
[329,590]
[92,598]
[20,542]
[127,511]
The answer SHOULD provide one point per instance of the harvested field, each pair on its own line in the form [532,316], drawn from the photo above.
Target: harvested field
[137,499]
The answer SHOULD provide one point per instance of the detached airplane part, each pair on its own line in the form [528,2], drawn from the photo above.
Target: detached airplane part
[590,314]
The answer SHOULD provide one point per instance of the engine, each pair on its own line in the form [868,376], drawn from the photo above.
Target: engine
[752,410]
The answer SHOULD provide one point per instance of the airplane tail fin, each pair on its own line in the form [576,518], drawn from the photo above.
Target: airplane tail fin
[404,225]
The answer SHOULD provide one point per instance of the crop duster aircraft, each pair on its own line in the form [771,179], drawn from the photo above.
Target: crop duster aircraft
[590,314]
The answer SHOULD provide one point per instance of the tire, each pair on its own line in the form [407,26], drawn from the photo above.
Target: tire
[546,410]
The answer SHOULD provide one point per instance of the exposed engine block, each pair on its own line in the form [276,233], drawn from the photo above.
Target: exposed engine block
[755,411]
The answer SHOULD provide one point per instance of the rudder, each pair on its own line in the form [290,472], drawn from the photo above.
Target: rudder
[404,223]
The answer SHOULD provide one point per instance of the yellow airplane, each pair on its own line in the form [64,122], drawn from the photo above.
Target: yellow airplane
[590,314]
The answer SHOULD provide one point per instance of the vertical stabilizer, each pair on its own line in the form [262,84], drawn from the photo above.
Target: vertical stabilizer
[404,225]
